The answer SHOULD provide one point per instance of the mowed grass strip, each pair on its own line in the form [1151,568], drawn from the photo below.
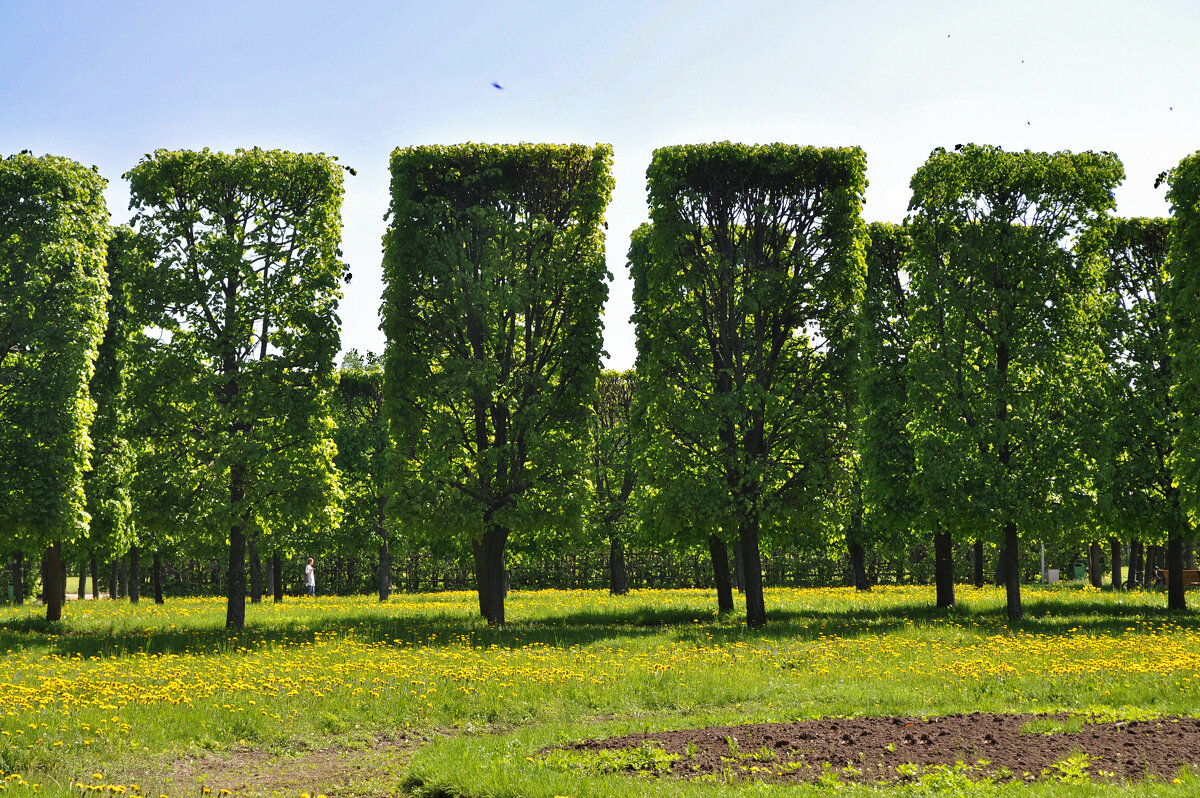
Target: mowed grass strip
[126,691]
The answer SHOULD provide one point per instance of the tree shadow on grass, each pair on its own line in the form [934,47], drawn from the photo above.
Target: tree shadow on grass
[1047,614]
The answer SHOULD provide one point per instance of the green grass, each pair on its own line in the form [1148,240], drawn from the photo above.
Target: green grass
[336,696]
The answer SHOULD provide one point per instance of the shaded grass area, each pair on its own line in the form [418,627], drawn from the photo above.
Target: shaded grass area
[132,692]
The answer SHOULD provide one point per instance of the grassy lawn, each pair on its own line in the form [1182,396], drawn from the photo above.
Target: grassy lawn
[415,695]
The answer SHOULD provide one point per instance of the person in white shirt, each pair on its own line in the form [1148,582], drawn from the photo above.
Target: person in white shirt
[310,578]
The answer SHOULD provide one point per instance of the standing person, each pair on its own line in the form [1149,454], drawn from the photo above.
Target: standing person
[310,579]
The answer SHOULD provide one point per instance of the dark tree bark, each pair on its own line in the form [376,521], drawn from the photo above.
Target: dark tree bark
[1135,564]
[739,567]
[385,571]
[1175,596]
[277,572]
[490,573]
[114,582]
[943,564]
[235,607]
[1096,564]
[978,562]
[1012,571]
[18,577]
[618,577]
[756,608]
[81,590]
[858,568]
[1115,548]
[720,562]
[157,577]
[135,576]
[52,587]
[1152,564]
[256,580]
[94,568]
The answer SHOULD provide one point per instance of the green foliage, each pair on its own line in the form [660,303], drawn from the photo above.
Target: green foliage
[886,455]
[1005,363]
[646,758]
[53,236]
[495,280]
[744,290]
[246,273]
[612,472]
[1143,420]
[107,484]
[362,447]
[1183,264]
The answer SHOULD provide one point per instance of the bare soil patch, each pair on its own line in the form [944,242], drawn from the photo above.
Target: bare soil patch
[374,769]
[875,747]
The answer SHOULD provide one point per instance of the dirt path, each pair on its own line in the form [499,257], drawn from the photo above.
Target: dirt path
[876,747]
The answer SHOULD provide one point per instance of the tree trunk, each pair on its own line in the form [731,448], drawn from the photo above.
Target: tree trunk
[81,592]
[52,587]
[481,575]
[93,567]
[114,584]
[135,577]
[269,579]
[1012,571]
[1115,547]
[1151,566]
[756,608]
[1135,563]
[256,586]
[858,568]
[618,577]
[1175,597]
[943,566]
[490,573]
[720,562]
[157,577]
[277,575]
[18,578]
[1096,564]
[739,567]
[978,562]
[385,571]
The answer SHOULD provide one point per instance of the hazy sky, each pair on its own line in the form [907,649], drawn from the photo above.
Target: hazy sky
[106,82]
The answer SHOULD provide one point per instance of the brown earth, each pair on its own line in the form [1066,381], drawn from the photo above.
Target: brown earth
[875,747]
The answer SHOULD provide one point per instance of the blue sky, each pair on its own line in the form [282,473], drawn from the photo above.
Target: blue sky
[106,82]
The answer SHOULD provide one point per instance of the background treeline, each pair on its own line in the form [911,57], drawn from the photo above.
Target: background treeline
[816,400]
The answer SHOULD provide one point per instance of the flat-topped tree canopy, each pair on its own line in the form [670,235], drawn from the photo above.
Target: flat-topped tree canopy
[746,284]
[247,275]
[53,286]
[1006,363]
[495,281]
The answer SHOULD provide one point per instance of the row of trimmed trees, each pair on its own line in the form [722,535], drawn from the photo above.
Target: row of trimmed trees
[1010,363]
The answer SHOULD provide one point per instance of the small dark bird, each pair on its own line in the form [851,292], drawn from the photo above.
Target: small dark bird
[497,85]
[347,277]
[958,146]
[1029,123]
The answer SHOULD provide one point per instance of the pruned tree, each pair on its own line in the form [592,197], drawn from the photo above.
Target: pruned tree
[53,288]
[613,473]
[247,270]
[890,504]
[1006,278]
[1183,266]
[745,292]
[362,441]
[107,483]
[495,281]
